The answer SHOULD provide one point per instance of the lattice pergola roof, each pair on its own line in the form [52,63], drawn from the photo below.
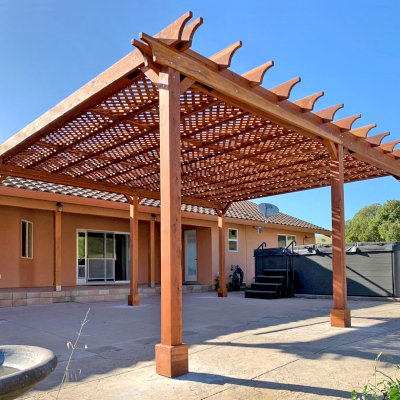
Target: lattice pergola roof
[238,140]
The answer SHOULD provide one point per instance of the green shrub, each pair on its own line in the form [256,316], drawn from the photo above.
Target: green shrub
[384,386]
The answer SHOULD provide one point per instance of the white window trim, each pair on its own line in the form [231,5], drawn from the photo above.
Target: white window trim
[233,240]
[286,236]
[27,243]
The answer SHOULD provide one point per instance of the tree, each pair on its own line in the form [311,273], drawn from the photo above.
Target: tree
[388,221]
[361,227]
[375,223]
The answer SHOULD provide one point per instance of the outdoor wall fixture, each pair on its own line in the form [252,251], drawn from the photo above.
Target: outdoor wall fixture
[59,206]
[154,217]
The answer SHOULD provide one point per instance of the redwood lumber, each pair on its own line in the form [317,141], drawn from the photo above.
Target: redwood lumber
[224,57]
[307,103]
[327,114]
[57,249]
[152,255]
[340,314]
[345,124]
[133,298]
[376,140]
[171,353]
[389,147]
[283,91]
[222,290]
[256,75]
[363,130]
[96,90]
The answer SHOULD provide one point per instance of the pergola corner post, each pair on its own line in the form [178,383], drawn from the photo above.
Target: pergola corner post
[171,353]
[152,254]
[57,248]
[133,297]
[222,290]
[340,314]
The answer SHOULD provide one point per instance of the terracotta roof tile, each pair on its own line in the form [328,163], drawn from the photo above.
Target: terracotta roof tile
[241,210]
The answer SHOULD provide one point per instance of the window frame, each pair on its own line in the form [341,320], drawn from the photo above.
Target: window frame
[28,255]
[286,238]
[233,240]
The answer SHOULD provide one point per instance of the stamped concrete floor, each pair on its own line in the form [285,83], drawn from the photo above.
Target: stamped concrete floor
[239,348]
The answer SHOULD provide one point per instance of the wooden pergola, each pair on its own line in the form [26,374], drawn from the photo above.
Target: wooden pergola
[168,123]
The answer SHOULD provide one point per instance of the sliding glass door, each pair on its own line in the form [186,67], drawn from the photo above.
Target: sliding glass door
[102,257]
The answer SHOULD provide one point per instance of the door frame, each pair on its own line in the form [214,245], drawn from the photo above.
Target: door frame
[186,255]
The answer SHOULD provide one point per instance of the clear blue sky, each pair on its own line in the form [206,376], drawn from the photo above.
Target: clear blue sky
[349,49]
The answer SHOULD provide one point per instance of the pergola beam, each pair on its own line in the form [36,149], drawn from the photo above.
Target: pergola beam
[18,172]
[260,101]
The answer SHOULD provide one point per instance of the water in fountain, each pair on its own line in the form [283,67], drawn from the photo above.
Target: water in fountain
[7,370]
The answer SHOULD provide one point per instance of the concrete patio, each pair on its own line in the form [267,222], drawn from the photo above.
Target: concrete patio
[239,349]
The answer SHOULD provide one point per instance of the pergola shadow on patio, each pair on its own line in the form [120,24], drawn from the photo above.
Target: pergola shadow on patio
[168,123]
[235,345]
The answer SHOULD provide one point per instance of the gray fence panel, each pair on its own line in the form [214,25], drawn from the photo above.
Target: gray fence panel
[373,269]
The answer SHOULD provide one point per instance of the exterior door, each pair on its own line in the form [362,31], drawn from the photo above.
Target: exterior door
[190,255]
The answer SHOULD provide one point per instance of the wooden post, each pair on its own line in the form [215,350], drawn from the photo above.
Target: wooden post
[171,353]
[57,248]
[152,255]
[133,298]
[340,315]
[222,290]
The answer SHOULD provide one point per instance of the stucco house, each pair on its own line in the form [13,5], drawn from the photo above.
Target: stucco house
[95,237]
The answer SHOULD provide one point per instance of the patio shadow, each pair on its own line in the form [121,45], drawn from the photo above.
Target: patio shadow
[215,379]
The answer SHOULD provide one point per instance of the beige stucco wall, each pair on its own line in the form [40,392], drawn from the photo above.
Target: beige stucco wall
[21,272]
[248,240]
[38,272]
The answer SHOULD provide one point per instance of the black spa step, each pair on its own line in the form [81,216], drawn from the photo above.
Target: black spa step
[274,271]
[270,278]
[260,294]
[267,286]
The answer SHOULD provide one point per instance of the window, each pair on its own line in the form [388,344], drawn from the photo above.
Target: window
[26,239]
[284,240]
[232,240]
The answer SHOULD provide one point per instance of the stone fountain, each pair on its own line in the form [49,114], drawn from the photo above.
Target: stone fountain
[22,367]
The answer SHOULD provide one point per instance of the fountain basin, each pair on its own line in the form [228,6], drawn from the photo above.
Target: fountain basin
[22,367]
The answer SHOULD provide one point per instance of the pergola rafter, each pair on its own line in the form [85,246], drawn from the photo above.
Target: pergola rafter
[168,123]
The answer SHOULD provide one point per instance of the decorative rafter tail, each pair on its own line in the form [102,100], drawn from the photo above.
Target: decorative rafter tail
[224,57]
[389,147]
[363,130]
[345,124]
[173,32]
[376,140]
[188,33]
[283,90]
[396,153]
[142,47]
[327,114]
[256,75]
[307,103]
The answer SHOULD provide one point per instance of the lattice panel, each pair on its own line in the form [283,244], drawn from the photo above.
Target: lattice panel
[228,154]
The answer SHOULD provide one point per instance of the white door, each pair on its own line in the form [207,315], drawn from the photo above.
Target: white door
[190,256]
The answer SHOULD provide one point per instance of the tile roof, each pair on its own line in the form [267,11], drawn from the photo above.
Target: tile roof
[241,210]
